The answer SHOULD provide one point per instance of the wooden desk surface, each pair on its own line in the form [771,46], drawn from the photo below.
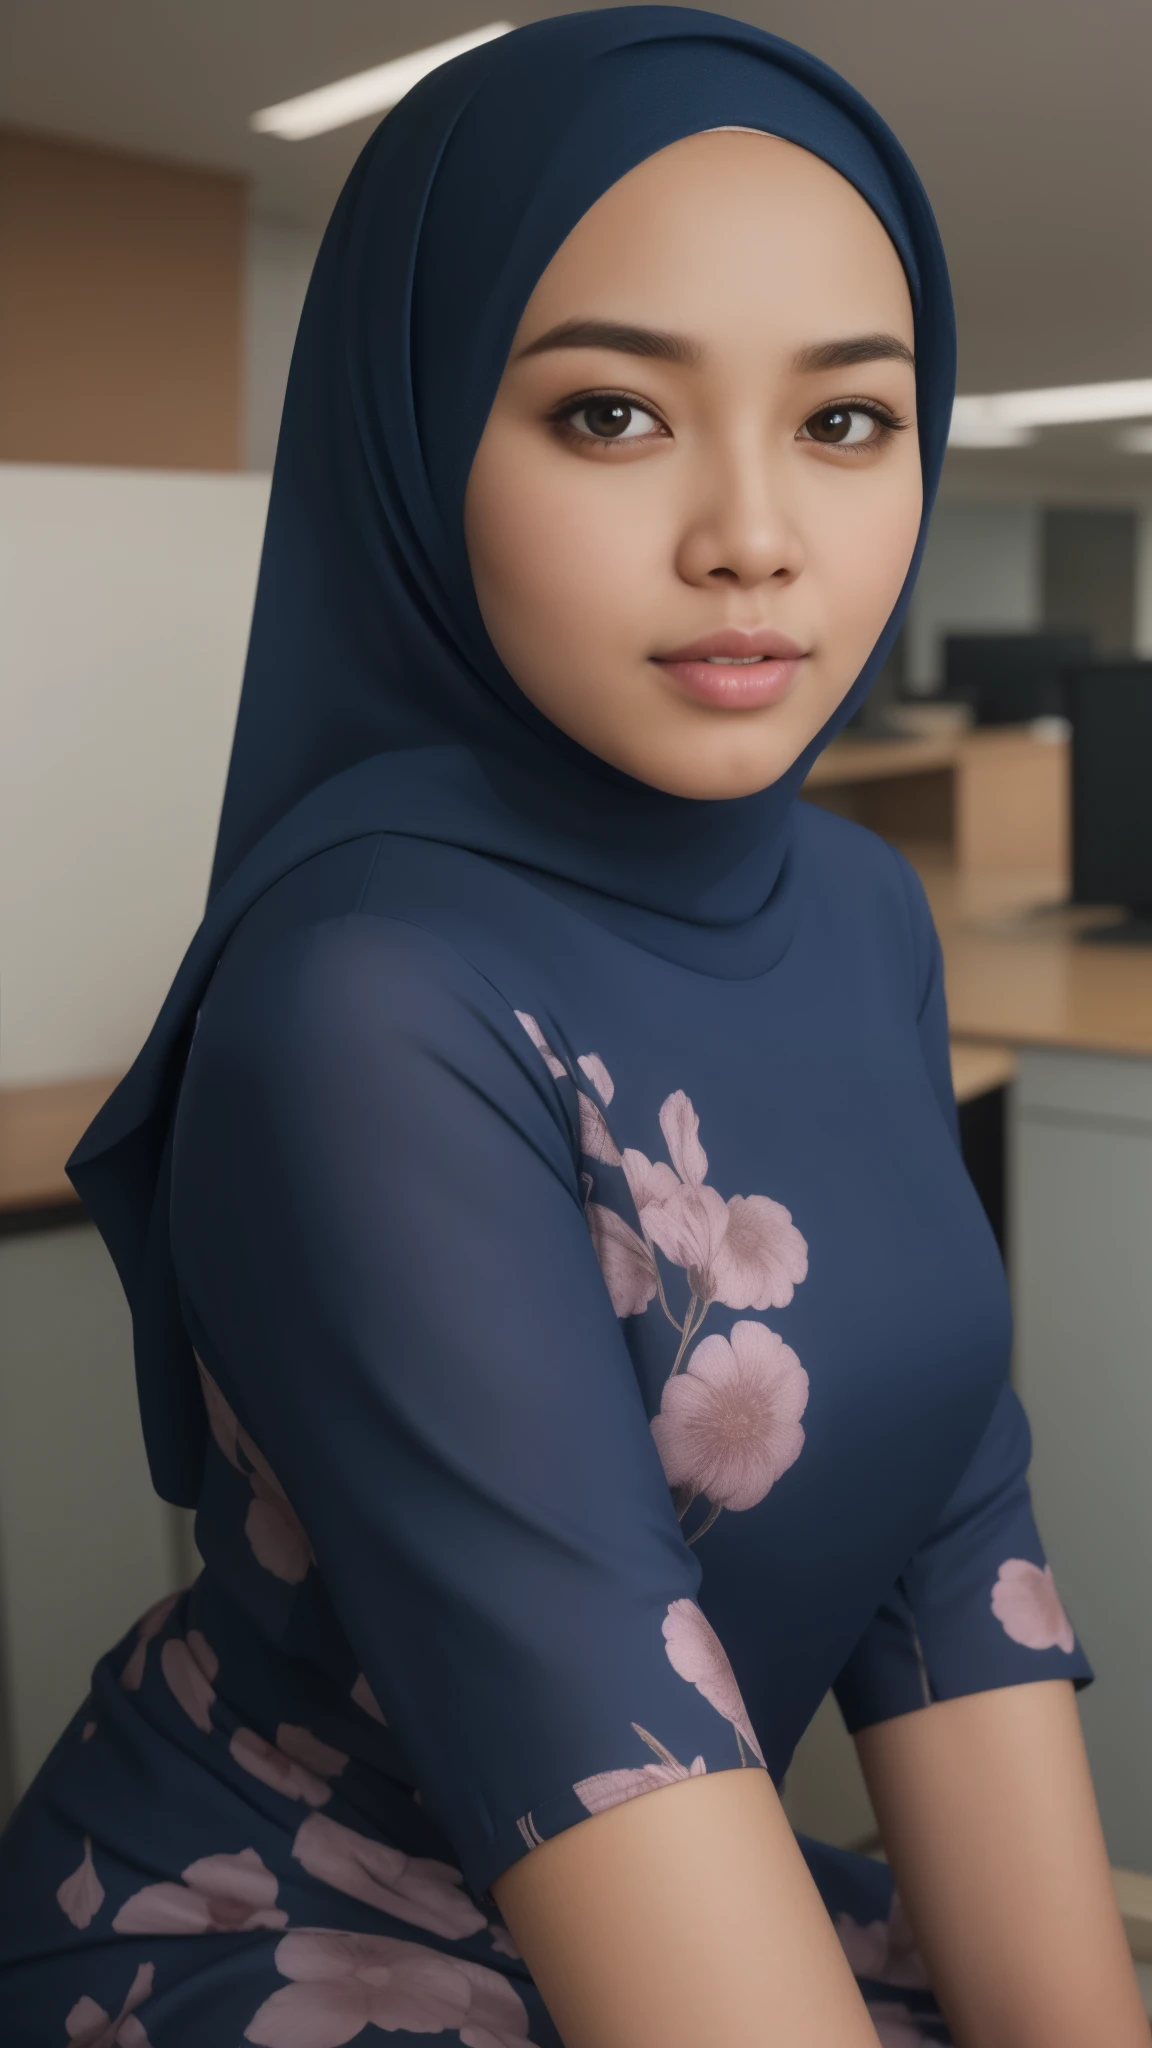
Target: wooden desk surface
[861,760]
[1017,975]
[38,1128]
[853,759]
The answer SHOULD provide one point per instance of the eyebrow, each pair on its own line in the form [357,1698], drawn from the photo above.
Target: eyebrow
[656,342]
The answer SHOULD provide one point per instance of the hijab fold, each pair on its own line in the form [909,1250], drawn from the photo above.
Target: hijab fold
[373,700]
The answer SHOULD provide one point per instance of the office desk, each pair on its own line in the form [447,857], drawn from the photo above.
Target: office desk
[987,801]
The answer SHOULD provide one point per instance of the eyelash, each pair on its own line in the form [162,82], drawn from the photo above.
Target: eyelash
[562,416]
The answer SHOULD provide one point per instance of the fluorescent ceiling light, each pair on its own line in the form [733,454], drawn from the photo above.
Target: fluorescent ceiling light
[1009,419]
[366,92]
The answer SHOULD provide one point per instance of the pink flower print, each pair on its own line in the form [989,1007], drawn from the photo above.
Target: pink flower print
[628,1266]
[610,1788]
[762,1257]
[220,1895]
[596,1140]
[296,1764]
[591,1065]
[884,1950]
[366,1700]
[89,2026]
[1028,1607]
[896,2027]
[681,1127]
[190,1664]
[81,1896]
[649,1180]
[497,2015]
[695,1651]
[729,1424]
[278,1541]
[341,1983]
[503,1943]
[89,1728]
[149,1625]
[555,1067]
[412,1888]
[745,1252]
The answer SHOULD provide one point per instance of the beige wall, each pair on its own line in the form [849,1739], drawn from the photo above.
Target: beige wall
[121,314]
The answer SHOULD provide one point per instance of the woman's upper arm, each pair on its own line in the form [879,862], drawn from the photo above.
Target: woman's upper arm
[384,1260]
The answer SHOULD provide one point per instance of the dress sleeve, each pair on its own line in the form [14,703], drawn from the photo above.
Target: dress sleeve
[976,1606]
[384,1260]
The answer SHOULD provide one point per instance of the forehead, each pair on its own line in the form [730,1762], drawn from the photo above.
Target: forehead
[723,227]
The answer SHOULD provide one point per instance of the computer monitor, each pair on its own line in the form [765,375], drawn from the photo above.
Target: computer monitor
[1110,704]
[1009,678]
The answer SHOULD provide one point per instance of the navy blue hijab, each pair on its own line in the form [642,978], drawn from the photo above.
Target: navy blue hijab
[373,699]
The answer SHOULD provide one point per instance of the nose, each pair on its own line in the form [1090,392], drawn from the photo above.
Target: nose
[738,527]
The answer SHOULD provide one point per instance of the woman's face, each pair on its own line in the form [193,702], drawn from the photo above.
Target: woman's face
[698,490]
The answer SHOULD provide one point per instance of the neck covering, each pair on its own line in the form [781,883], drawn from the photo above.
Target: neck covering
[373,699]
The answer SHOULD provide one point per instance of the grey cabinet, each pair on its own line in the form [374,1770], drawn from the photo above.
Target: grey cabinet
[1080,1158]
[85,1545]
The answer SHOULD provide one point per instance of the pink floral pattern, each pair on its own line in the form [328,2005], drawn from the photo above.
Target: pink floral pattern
[729,1421]
[341,1983]
[89,2026]
[297,1764]
[219,1895]
[414,1888]
[1029,1609]
[695,1651]
[189,1665]
[746,1252]
[81,1896]
[365,1699]
[148,1626]
[884,1950]
[729,1424]
[273,1530]
[611,1788]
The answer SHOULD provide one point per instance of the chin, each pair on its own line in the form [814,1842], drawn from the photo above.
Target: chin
[710,782]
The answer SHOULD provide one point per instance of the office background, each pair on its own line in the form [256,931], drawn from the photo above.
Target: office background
[154,253]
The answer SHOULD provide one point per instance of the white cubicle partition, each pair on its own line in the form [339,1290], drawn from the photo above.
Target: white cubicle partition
[125,599]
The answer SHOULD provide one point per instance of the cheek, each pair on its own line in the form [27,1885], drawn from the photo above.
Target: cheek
[550,548]
[866,545]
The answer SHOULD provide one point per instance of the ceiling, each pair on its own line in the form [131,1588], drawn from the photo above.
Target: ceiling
[1029,121]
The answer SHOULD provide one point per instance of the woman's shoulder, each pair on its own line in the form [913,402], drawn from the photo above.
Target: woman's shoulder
[328,975]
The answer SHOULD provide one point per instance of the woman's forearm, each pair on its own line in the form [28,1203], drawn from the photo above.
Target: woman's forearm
[683,1916]
[989,1819]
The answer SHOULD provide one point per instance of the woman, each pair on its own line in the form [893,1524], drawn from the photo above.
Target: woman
[555,1282]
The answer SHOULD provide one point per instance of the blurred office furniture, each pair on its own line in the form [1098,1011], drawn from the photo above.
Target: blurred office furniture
[1111,709]
[85,1545]
[1089,575]
[991,801]
[1009,678]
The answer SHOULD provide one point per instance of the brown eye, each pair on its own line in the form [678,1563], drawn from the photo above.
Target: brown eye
[610,418]
[843,426]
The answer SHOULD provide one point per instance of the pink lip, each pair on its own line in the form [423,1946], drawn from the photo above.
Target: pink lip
[746,683]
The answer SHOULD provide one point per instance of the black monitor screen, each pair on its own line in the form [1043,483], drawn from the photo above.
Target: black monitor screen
[1111,710]
[1009,678]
